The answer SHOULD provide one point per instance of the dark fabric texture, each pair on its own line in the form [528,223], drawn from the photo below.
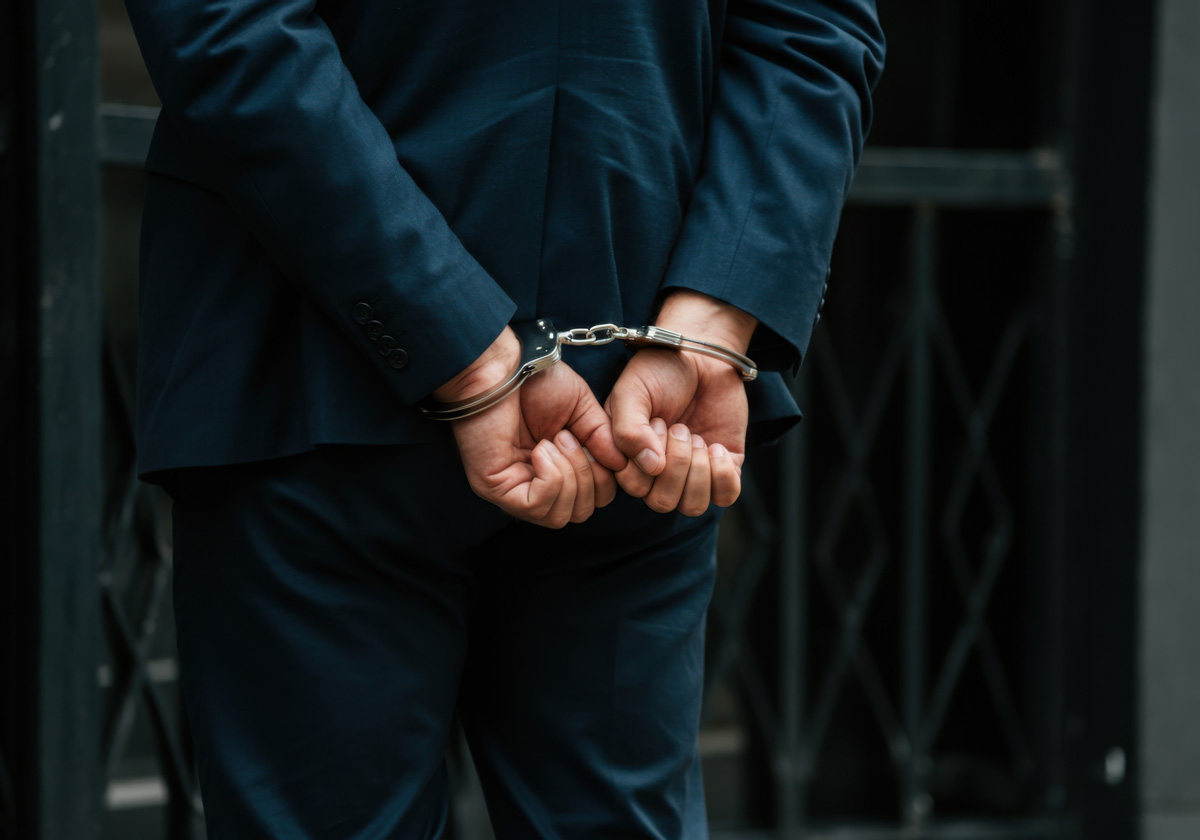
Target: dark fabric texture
[329,174]
[331,610]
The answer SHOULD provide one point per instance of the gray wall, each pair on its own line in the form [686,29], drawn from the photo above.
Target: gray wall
[1170,597]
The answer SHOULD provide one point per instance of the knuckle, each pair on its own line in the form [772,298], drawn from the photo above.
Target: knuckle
[679,456]
[633,484]
[539,511]
[659,505]
[624,436]
[726,499]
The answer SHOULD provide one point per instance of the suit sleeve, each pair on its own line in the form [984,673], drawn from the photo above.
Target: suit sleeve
[791,107]
[259,92]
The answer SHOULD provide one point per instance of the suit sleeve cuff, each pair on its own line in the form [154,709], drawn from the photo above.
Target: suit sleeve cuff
[423,339]
[786,314]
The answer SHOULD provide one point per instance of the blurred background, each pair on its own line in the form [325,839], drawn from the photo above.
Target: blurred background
[958,602]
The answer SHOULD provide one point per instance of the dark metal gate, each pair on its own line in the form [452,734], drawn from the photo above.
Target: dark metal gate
[924,622]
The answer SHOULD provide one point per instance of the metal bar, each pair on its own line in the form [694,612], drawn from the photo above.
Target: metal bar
[976,464]
[852,652]
[17,423]
[124,644]
[1054,377]
[915,802]
[792,600]
[885,176]
[964,640]
[1104,385]
[858,433]
[1048,502]
[1038,829]
[125,132]
[68,310]
[858,436]
[951,177]
[945,80]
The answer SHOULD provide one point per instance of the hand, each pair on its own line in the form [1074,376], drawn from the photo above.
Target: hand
[695,461]
[544,455]
[681,417]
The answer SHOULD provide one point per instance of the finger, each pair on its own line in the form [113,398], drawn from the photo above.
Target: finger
[544,490]
[697,492]
[726,476]
[629,407]
[603,447]
[605,483]
[632,479]
[560,511]
[668,486]
[659,427]
[576,455]
[634,482]
[592,427]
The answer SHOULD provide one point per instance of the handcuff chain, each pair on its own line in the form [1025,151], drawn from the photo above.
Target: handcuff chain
[541,347]
[593,336]
[656,337]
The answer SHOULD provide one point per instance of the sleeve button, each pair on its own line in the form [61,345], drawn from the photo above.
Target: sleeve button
[362,312]
[397,358]
[386,344]
[374,330]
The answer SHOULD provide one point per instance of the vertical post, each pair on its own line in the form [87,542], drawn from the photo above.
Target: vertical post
[14,423]
[67,312]
[1102,463]
[793,599]
[1047,648]
[915,805]
[1045,508]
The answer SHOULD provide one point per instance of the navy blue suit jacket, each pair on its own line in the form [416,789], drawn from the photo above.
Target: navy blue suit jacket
[439,169]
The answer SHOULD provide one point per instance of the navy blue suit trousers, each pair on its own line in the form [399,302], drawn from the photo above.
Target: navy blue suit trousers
[335,607]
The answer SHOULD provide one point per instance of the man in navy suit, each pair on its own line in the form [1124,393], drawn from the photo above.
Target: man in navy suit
[349,202]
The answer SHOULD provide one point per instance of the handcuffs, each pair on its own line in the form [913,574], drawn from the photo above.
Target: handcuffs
[541,347]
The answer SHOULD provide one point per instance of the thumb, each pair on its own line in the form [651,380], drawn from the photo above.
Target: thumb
[629,406]
[592,426]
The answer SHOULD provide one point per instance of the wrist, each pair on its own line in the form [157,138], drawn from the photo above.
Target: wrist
[701,316]
[494,366]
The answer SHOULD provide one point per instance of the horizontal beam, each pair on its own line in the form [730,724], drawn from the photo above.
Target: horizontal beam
[1035,829]
[959,177]
[125,132]
[886,177]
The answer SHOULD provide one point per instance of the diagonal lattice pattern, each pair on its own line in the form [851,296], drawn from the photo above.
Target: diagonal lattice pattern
[134,588]
[976,464]
[879,573]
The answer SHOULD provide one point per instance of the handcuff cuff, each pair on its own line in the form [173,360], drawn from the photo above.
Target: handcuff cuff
[541,347]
